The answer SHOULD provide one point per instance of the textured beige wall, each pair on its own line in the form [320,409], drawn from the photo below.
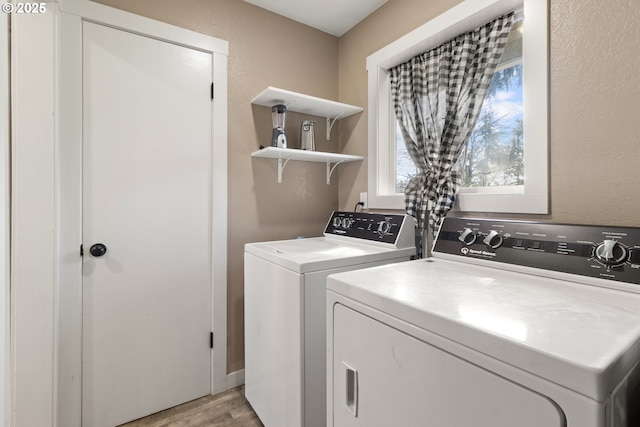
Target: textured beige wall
[595,112]
[594,103]
[264,50]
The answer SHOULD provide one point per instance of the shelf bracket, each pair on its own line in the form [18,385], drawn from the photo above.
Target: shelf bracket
[281,166]
[330,124]
[331,169]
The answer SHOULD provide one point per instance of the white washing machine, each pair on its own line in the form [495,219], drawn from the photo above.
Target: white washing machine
[285,300]
[510,324]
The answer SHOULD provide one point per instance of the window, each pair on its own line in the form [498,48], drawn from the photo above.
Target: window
[504,165]
[405,168]
[494,154]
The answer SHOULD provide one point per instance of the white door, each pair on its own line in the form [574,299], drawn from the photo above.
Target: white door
[146,198]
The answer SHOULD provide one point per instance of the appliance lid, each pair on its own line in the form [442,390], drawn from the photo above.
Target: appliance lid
[320,253]
[584,338]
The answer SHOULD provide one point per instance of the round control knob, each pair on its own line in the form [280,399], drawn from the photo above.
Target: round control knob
[336,222]
[467,237]
[346,223]
[611,253]
[383,227]
[493,239]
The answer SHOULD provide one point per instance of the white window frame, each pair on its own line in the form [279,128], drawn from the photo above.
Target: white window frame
[533,197]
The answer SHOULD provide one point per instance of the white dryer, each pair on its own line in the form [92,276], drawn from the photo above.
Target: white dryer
[284,306]
[510,324]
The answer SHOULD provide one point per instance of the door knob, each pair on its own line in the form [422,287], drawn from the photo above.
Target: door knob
[98,250]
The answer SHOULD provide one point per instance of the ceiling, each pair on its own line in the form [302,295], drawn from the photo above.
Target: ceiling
[331,16]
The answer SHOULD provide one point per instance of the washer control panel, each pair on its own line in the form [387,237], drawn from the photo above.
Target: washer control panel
[392,229]
[611,253]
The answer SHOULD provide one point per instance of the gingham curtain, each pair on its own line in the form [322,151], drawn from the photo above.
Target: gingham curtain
[437,97]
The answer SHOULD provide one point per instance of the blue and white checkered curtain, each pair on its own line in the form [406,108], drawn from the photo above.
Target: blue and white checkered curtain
[437,97]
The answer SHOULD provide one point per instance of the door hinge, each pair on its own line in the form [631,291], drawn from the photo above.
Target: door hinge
[81,251]
[211,90]
[211,340]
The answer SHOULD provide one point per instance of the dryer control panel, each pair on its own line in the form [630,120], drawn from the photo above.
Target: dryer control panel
[604,252]
[395,230]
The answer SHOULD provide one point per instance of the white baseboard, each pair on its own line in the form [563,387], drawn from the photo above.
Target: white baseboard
[235,379]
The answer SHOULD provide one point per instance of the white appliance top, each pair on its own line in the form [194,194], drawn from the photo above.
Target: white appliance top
[350,238]
[560,301]
[584,338]
[322,253]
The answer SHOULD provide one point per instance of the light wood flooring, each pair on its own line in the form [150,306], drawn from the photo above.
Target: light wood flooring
[228,409]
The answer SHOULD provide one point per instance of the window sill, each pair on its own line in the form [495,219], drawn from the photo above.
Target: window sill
[481,201]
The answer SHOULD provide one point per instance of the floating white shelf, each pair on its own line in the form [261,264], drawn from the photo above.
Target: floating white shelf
[307,104]
[283,155]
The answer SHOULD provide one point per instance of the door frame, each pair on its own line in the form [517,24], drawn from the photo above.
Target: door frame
[56,299]
[5,204]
